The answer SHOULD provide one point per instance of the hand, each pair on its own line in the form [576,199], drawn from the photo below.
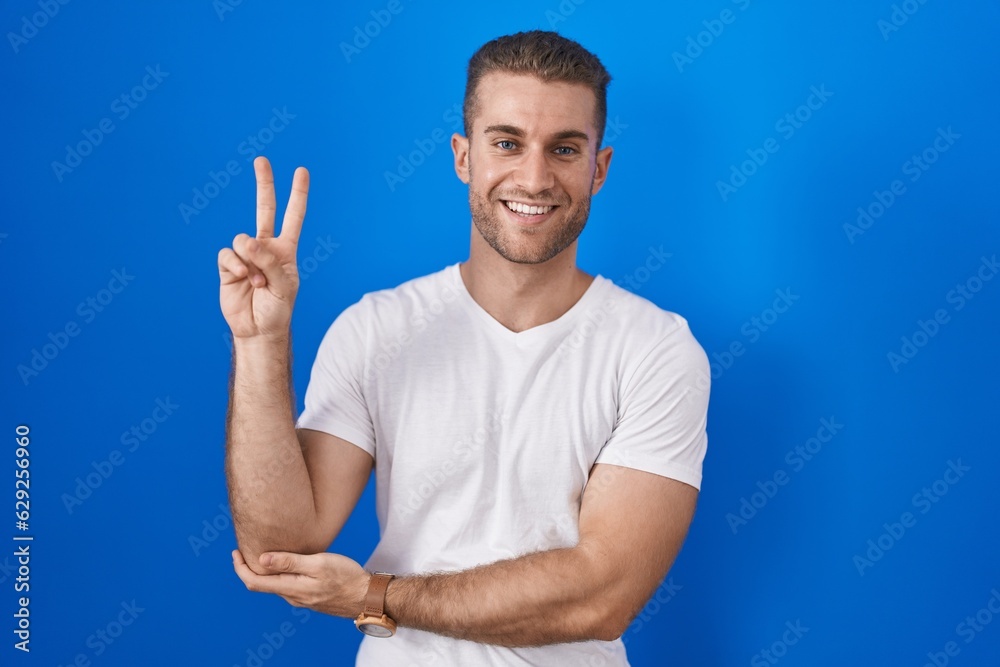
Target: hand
[258,277]
[325,582]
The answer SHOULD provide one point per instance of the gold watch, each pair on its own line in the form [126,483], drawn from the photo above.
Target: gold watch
[373,621]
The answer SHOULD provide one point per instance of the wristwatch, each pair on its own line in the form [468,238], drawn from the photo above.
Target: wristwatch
[373,621]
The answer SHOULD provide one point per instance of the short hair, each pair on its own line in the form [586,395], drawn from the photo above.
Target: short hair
[546,55]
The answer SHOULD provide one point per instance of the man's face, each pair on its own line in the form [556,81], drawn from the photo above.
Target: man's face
[532,164]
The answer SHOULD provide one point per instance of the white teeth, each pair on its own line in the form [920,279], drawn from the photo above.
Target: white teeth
[524,209]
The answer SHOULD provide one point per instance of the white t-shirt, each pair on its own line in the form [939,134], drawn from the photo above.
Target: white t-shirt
[483,438]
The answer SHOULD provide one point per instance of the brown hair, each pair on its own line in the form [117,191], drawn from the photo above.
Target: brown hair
[546,55]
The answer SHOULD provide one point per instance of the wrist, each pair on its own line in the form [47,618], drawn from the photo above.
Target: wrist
[266,341]
[262,348]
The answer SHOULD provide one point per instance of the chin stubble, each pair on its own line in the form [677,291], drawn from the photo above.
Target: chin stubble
[496,233]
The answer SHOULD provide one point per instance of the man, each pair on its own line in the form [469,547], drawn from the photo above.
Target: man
[537,433]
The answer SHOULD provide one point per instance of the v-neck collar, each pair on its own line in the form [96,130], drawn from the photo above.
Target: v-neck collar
[536,333]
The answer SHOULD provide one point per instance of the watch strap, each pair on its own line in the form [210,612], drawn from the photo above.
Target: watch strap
[375,599]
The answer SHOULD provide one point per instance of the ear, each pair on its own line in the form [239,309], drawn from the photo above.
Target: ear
[601,168]
[460,147]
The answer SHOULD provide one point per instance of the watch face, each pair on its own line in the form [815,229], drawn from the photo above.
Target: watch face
[374,630]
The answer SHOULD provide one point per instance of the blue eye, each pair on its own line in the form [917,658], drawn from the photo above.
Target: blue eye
[569,150]
[505,145]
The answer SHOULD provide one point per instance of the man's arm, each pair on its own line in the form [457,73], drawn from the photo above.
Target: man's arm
[281,496]
[632,525]
[288,491]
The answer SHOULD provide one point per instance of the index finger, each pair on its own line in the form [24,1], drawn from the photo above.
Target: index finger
[295,212]
[265,198]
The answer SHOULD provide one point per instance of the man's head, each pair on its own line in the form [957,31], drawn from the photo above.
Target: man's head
[535,109]
[545,55]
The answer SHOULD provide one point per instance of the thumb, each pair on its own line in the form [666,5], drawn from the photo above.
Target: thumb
[269,265]
[283,561]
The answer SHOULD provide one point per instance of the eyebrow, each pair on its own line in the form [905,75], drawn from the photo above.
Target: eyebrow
[518,132]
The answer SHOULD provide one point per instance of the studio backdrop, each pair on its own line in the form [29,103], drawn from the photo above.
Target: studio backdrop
[813,186]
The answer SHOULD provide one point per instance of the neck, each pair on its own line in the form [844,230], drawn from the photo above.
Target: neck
[522,296]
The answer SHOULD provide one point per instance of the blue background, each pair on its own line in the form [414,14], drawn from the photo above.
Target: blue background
[678,128]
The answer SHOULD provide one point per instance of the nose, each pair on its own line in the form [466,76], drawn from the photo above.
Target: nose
[534,173]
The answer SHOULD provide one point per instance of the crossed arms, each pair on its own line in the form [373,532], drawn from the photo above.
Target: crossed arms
[291,493]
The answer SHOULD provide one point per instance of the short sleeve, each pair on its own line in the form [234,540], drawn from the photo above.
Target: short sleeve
[335,401]
[662,413]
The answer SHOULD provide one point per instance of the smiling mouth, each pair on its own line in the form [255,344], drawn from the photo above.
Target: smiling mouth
[528,210]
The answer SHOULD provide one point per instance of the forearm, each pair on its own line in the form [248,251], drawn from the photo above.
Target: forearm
[548,597]
[269,487]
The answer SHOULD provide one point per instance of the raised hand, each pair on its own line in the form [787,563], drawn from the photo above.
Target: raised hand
[258,278]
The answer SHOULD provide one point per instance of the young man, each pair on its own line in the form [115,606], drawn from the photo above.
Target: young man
[537,433]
